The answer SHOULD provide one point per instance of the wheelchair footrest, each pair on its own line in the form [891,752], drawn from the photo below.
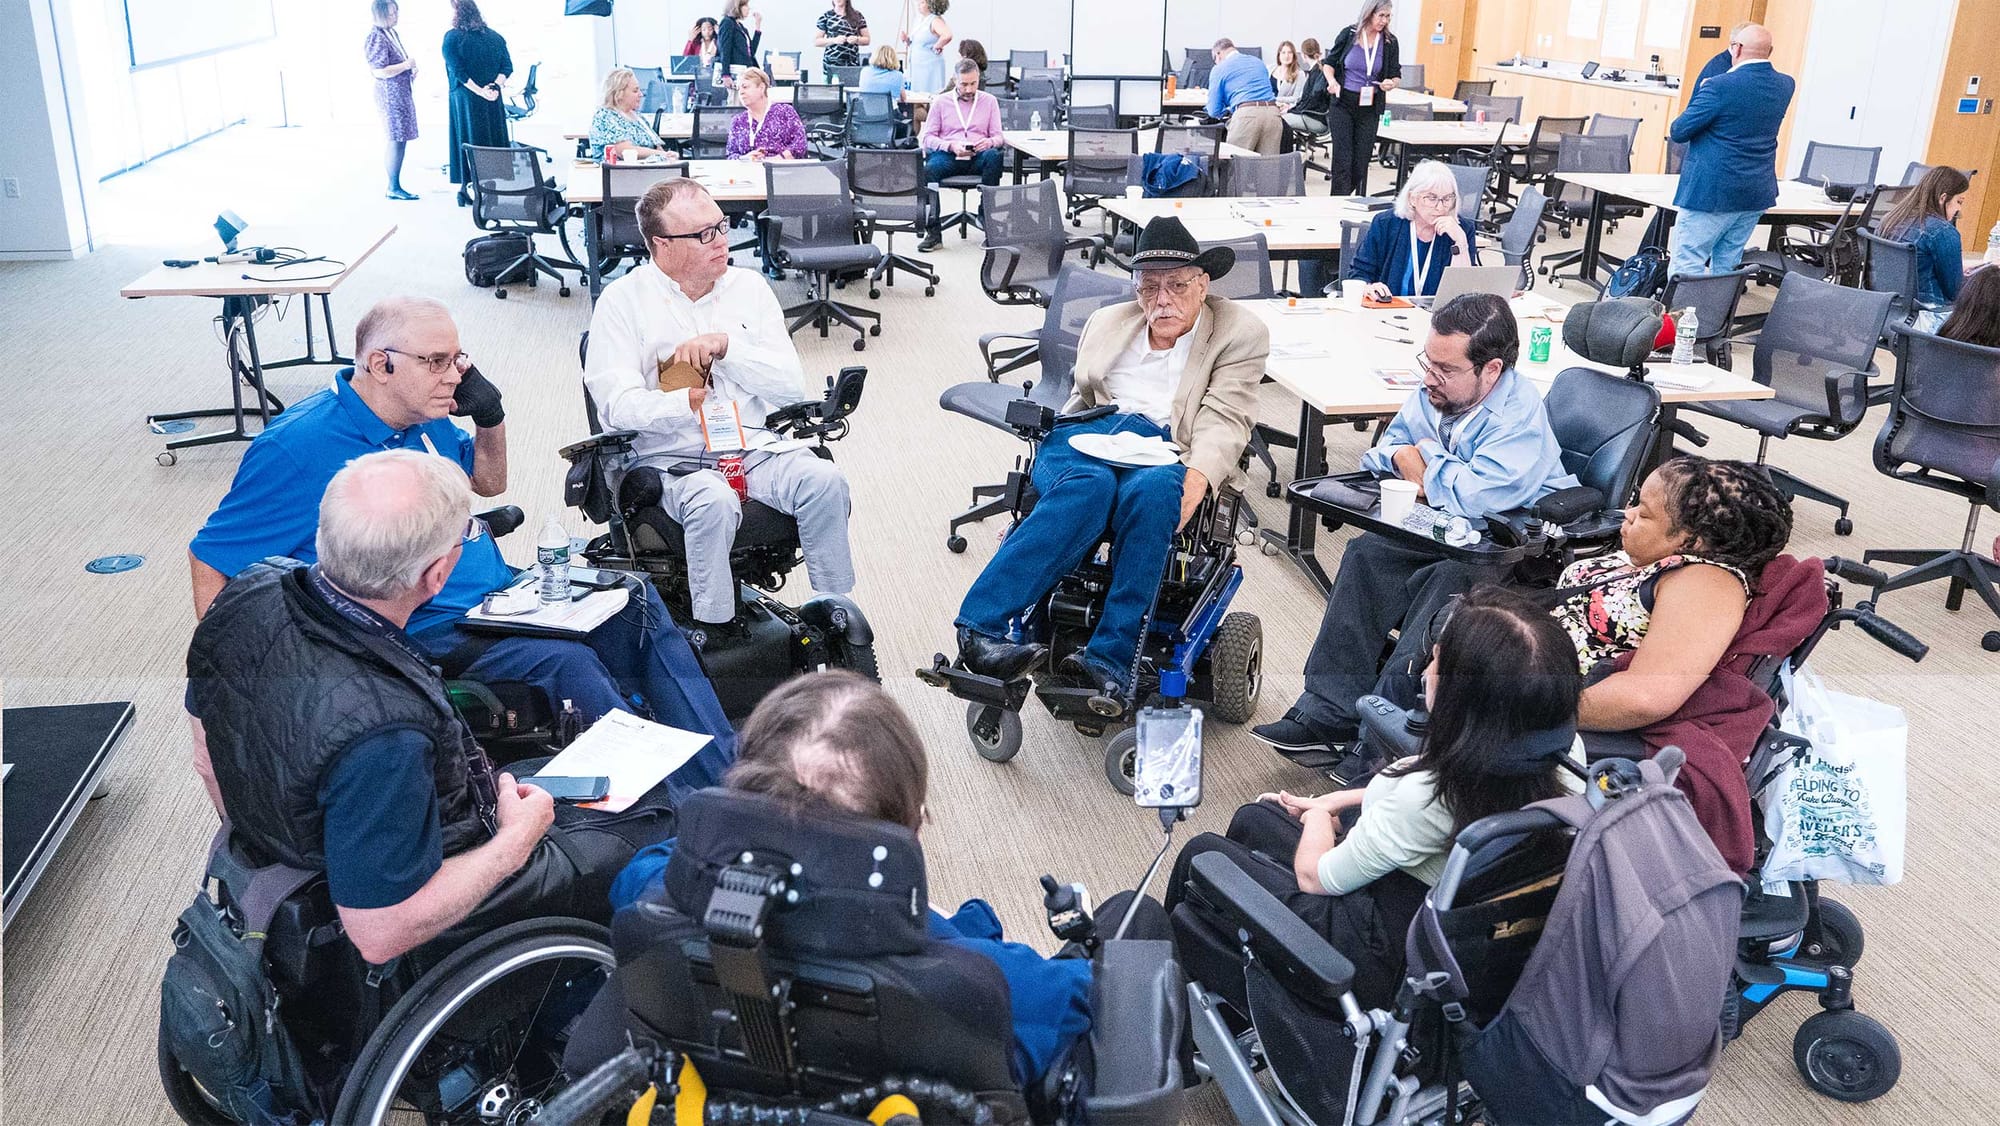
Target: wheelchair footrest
[1075,704]
[970,686]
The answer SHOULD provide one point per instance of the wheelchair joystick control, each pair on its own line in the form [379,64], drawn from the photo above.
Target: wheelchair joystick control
[1068,906]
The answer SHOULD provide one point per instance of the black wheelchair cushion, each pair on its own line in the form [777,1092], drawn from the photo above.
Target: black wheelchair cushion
[762,526]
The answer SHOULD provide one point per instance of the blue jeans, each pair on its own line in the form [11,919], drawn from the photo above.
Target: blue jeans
[637,661]
[1080,497]
[1709,242]
[937,165]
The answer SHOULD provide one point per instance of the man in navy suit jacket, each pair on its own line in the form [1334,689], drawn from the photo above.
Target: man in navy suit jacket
[1730,175]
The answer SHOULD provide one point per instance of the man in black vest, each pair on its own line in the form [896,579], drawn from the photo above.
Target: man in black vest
[335,747]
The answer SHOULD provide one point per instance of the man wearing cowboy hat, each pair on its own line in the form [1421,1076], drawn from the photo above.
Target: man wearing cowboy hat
[1177,364]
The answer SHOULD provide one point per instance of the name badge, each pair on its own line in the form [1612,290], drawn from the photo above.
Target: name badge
[721,425]
[1368,95]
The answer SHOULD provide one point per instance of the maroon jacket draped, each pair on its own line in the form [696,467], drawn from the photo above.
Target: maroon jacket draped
[1718,726]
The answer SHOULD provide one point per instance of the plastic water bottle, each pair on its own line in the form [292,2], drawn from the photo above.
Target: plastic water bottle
[1454,531]
[1035,122]
[552,561]
[1387,120]
[1685,329]
[1993,244]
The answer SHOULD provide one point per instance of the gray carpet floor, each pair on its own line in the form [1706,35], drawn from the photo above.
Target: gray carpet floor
[82,368]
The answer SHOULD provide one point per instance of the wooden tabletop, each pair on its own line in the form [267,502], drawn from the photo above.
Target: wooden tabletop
[1330,352]
[1447,134]
[346,248]
[1053,144]
[1656,189]
[1289,224]
[729,181]
[1196,97]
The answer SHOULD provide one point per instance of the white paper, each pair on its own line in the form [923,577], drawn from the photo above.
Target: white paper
[578,617]
[1666,23]
[634,753]
[1584,16]
[1681,378]
[1621,30]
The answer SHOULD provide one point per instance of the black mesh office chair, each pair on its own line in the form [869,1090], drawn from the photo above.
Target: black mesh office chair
[1605,125]
[1522,230]
[1714,298]
[510,193]
[1676,156]
[1943,432]
[1026,59]
[1039,82]
[890,184]
[995,79]
[520,105]
[1815,352]
[873,121]
[1848,165]
[1881,202]
[1537,163]
[1891,267]
[617,218]
[1096,168]
[1571,205]
[1190,140]
[1465,90]
[1413,78]
[1194,72]
[1077,293]
[1413,113]
[847,76]
[1281,175]
[1496,107]
[810,224]
[822,107]
[655,94]
[1251,278]
[710,137]
[1023,112]
[1090,117]
[1469,168]
[1026,242]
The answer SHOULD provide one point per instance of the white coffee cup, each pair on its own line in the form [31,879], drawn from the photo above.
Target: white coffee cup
[1134,191]
[1399,499]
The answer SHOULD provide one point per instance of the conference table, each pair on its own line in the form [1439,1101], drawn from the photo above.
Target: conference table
[1051,146]
[324,258]
[1292,226]
[1424,137]
[1796,200]
[738,187]
[1196,98]
[1343,361]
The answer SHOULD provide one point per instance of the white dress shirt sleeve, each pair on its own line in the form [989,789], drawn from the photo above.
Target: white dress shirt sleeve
[762,362]
[626,394]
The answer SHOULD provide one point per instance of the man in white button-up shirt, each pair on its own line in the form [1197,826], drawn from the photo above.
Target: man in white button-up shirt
[714,333]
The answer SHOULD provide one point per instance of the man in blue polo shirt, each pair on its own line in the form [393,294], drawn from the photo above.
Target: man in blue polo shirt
[409,375]
[1240,91]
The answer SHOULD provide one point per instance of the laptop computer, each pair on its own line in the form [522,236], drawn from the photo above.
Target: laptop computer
[1460,280]
[684,66]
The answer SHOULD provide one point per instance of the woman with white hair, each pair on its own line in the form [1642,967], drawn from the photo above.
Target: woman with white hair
[1407,248]
[616,129]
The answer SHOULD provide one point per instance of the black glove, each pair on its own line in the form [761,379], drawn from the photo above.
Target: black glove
[476,396]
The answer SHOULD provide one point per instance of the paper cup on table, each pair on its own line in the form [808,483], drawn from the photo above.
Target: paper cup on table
[1399,499]
[1134,191]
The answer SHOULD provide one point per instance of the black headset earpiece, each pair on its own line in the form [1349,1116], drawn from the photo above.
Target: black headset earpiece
[388,363]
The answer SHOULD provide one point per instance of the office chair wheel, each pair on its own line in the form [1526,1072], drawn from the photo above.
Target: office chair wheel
[875,330]
[1247,538]
[166,457]
[1991,642]
[563,292]
[1847,1055]
[860,343]
[1843,527]
[956,545]
[995,732]
[1121,761]
[874,291]
[501,294]
[1268,548]
[1274,490]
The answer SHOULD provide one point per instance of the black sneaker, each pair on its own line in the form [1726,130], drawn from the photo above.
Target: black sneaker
[931,242]
[1295,735]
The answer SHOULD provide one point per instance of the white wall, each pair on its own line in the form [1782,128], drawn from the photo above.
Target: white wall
[36,151]
[1198,23]
[1870,78]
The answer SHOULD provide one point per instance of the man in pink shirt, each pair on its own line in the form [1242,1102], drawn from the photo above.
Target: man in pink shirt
[961,137]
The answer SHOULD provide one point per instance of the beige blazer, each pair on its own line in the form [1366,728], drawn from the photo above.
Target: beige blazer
[1216,403]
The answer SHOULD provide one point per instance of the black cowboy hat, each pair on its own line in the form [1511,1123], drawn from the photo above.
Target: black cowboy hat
[1166,245]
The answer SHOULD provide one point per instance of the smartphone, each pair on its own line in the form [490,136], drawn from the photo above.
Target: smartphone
[593,579]
[1168,771]
[594,787]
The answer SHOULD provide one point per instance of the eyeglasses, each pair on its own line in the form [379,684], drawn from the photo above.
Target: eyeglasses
[1434,371]
[475,528]
[438,364]
[1148,290]
[1436,200]
[705,235]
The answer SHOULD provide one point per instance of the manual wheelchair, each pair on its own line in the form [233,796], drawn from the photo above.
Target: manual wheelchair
[1191,644]
[769,641]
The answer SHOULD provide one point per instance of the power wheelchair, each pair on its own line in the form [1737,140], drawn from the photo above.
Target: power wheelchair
[769,641]
[476,1038]
[1192,646]
[782,971]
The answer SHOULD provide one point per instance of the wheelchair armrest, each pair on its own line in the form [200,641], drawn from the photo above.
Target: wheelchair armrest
[611,441]
[1287,944]
[1565,505]
[501,520]
[1505,539]
[1138,1016]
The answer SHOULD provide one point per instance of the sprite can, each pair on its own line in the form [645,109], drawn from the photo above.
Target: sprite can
[1538,344]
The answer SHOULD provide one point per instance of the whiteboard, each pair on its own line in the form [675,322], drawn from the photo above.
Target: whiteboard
[165,31]
[1111,40]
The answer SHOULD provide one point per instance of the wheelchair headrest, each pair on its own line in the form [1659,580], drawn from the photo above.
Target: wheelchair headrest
[860,883]
[1618,331]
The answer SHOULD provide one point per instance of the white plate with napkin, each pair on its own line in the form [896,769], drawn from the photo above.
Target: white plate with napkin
[1126,448]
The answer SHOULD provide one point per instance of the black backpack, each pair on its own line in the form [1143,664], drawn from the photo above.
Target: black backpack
[219,1013]
[488,258]
[1644,274]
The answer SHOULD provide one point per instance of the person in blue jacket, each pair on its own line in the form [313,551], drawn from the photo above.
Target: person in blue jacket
[836,743]
[1730,175]
[1927,218]
[1407,248]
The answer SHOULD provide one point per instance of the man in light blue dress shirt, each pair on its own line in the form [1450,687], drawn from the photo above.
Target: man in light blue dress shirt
[1476,441]
[1240,91]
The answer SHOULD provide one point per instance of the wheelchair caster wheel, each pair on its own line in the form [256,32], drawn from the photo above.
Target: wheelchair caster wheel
[166,457]
[1269,548]
[1847,1055]
[874,292]
[501,294]
[860,344]
[955,544]
[875,330]
[1991,642]
[995,732]
[1843,527]
[1274,490]
[930,291]
[1121,761]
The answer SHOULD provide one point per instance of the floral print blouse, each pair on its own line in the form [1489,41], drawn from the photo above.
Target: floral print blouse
[1610,615]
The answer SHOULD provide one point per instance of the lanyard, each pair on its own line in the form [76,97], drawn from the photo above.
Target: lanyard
[1450,424]
[1368,58]
[958,109]
[1419,274]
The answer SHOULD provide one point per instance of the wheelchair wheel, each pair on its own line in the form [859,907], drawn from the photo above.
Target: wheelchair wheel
[479,1039]
[1121,761]
[995,732]
[1841,939]
[1847,1055]
[184,1094]
[1236,667]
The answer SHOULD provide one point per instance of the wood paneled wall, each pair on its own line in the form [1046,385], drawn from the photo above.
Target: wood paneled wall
[1971,141]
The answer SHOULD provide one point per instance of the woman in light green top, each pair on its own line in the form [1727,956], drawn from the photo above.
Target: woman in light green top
[1502,686]
[617,127]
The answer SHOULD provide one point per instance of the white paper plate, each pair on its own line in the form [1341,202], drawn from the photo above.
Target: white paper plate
[1126,449]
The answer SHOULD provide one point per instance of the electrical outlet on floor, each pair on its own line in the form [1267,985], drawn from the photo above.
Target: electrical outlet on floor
[10,188]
